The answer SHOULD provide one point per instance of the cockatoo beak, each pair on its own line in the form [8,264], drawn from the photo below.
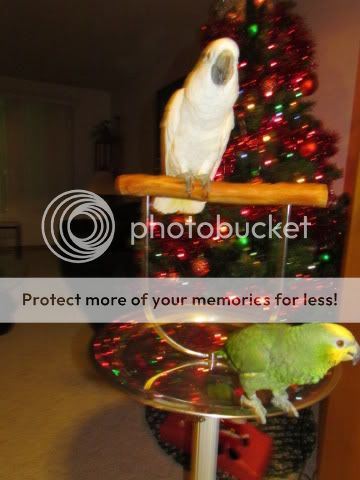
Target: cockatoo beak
[223,68]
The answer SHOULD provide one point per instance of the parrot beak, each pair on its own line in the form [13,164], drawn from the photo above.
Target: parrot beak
[223,68]
[353,353]
[356,357]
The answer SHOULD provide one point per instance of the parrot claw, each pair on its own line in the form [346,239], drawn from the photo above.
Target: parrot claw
[188,179]
[255,404]
[205,181]
[282,402]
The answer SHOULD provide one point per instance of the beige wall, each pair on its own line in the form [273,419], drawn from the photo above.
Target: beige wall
[335,25]
[136,103]
[89,106]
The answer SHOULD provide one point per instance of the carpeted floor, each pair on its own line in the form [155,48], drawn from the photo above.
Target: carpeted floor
[59,420]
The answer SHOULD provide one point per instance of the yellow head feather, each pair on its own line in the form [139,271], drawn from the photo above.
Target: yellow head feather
[340,352]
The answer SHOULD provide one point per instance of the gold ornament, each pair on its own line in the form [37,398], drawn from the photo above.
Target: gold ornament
[234,10]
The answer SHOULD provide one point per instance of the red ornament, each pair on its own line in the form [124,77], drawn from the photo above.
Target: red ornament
[309,84]
[200,267]
[307,149]
[269,85]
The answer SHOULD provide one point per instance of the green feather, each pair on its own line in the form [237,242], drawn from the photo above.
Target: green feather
[275,356]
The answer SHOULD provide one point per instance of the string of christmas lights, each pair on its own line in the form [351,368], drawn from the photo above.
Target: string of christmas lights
[276,139]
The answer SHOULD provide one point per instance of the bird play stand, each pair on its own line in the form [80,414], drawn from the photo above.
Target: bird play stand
[174,367]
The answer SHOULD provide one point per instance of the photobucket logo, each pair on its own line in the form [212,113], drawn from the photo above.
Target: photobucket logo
[221,230]
[57,222]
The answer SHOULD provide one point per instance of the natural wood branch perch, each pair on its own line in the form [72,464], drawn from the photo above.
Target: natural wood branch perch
[307,194]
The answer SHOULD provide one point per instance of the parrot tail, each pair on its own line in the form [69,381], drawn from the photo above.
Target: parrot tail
[176,205]
[223,355]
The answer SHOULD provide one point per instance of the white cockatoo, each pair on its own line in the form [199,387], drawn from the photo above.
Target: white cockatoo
[197,123]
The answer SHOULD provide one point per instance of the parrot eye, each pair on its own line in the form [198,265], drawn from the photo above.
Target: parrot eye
[340,343]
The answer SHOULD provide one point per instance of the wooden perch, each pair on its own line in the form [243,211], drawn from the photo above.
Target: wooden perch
[307,194]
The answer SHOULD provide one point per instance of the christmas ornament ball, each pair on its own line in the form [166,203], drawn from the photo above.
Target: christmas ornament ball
[200,267]
[307,149]
[309,84]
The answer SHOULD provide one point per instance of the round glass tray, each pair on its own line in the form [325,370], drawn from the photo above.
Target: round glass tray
[145,367]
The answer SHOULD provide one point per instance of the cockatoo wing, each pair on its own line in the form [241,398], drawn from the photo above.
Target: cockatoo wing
[169,127]
[223,141]
[170,164]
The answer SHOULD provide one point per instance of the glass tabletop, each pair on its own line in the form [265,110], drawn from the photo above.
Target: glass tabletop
[145,367]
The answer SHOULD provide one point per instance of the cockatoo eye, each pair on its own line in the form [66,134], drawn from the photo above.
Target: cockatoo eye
[340,343]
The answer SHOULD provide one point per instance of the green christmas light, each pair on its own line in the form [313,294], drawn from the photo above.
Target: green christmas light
[278,107]
[325,257]
[244,241]
[116,372]
[299,94]
[253,29]
[289,155]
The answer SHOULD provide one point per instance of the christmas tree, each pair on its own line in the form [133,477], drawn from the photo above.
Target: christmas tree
[276,139]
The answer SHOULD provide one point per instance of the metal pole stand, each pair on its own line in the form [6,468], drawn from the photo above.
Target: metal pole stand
[205,448]
[164,378]
[153,372]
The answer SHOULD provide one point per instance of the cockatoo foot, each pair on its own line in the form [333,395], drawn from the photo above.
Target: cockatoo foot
[188,179]
[205,181]
[282,402]
[255,404]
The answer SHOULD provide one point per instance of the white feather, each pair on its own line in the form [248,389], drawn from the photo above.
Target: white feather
[197,124]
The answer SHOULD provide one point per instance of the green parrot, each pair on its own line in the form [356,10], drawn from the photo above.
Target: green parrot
[275,356]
